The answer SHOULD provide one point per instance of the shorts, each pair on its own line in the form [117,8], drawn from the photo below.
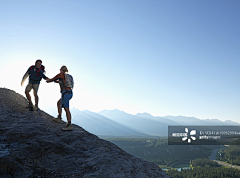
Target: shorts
[65,98]
[32,86]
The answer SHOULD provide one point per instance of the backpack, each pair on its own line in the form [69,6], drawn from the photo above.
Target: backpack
[68,80]
[41,68]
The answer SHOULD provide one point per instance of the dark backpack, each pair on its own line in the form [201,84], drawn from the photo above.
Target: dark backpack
[41,68]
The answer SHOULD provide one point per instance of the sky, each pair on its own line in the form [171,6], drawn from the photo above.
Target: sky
[156,56]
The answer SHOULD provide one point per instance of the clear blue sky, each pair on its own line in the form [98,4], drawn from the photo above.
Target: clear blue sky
[158,56]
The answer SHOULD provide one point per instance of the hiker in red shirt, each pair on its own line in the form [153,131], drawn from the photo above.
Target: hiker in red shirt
[66,84]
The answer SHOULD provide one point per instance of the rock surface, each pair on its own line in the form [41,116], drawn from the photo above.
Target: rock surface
[33,145]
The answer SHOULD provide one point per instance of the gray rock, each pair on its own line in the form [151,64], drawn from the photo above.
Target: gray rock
[33,145]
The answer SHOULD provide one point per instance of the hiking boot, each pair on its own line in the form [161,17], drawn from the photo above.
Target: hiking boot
[67,127]
[30,105]
[36,106]
[58,119]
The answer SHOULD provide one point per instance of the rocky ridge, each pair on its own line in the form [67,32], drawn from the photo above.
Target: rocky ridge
[33,145]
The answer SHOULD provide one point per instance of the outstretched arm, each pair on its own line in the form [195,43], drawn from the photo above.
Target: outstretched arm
[42,75]
[55,78]
[24,77]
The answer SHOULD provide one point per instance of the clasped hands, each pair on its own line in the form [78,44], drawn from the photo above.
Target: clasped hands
[48,80]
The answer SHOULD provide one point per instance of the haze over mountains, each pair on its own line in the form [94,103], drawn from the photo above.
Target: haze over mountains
[116,123]
[102,125]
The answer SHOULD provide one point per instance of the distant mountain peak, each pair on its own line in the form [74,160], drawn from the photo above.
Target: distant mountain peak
[145,114]
[231,122]
[112,111]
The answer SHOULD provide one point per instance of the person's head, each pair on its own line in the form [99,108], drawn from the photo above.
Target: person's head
[64,69]
[38,63]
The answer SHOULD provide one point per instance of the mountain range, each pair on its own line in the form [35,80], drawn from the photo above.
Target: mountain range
[116,123]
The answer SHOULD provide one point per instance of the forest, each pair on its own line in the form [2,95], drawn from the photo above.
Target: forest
[196,157]
[231,155]
[205,172]
[204,168]
[204,162]
[159,152]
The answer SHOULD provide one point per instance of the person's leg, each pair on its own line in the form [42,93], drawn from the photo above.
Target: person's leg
[28,95]
[65,105]
[69,124]
[27,92]
[68,114]
[35,91]
[59,107]
[59,118]
[36,98]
